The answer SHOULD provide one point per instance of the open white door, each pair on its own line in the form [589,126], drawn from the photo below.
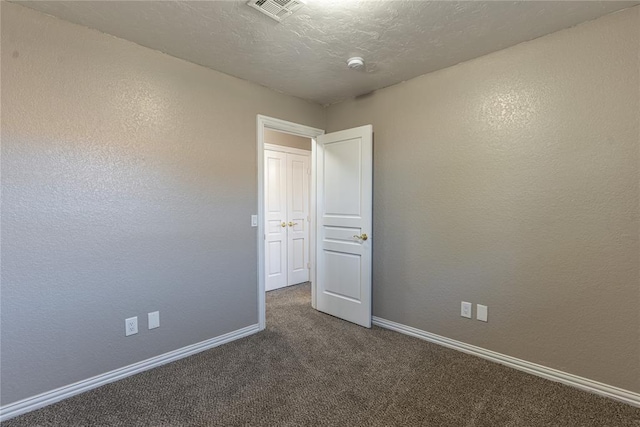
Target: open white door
[344,183]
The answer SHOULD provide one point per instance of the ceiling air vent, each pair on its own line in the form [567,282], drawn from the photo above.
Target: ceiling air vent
[276,9]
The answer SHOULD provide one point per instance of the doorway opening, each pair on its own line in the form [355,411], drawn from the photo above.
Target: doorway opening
[286,152]
[339,223]
[287,220]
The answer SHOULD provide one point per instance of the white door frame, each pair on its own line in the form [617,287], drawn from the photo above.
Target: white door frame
[264,122]
[285,149]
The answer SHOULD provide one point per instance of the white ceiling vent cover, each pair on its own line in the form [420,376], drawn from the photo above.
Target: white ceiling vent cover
[276,9]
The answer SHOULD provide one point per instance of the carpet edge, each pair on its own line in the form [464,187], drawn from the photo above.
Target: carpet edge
[582,383]
[41,400]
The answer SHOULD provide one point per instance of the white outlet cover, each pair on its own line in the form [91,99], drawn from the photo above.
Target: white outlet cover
[131,326]
[154,319]
[465,309]
[482,312]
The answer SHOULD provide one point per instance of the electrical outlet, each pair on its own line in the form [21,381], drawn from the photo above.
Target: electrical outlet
[131,326]
[482,312]
[465,309]
[154,319]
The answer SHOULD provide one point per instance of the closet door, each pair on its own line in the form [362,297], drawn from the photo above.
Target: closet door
[275,179]
[298,174]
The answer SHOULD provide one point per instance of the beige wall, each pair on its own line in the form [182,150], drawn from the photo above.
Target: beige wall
[128,181]
[512,181]
[286,140]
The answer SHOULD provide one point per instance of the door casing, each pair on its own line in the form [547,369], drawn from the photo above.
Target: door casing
[265,122]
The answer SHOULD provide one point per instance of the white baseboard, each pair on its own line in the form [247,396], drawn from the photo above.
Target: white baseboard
[47,398]
[582,383]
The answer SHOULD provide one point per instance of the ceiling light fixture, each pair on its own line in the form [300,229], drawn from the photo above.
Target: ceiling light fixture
[355,63]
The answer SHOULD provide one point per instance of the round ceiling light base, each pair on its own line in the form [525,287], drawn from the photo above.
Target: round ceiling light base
[355,63]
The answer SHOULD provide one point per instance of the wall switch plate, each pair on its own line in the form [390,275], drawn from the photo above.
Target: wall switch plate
[130,326]
[482,312]
[465,309]
[154,319]
[254,220]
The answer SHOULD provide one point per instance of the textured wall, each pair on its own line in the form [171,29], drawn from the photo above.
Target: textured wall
[512,181]
[128,181]
[286,140]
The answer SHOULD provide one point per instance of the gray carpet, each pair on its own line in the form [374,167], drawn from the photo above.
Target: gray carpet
[310,369]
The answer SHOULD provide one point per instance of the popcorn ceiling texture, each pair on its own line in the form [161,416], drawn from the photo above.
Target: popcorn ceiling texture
[512,181]
[306,55]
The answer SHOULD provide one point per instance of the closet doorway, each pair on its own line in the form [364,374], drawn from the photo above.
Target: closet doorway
[287,219]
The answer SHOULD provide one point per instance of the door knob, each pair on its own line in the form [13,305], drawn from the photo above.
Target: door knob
[284,224]
[361,237]
[291,224]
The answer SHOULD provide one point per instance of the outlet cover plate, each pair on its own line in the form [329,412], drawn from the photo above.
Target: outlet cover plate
[465,309]
[154,319]
[482,313]
[131,326]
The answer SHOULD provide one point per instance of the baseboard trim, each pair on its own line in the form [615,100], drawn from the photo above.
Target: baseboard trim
[582,383]
[47,398]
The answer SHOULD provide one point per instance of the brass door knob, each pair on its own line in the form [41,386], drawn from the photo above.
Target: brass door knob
[284,224]
[361,237]
[291,224]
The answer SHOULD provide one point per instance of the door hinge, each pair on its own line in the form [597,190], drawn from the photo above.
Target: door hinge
[309,265]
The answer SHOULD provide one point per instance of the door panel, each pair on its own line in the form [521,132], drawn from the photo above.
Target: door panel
[275,261]
[343,275]
[344,185]
[297,249]
[276,214]
[342,177]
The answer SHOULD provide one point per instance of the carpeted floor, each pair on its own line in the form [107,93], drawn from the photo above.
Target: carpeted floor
[310,369]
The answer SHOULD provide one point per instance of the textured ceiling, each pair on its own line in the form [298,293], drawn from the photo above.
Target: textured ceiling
[306,54]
